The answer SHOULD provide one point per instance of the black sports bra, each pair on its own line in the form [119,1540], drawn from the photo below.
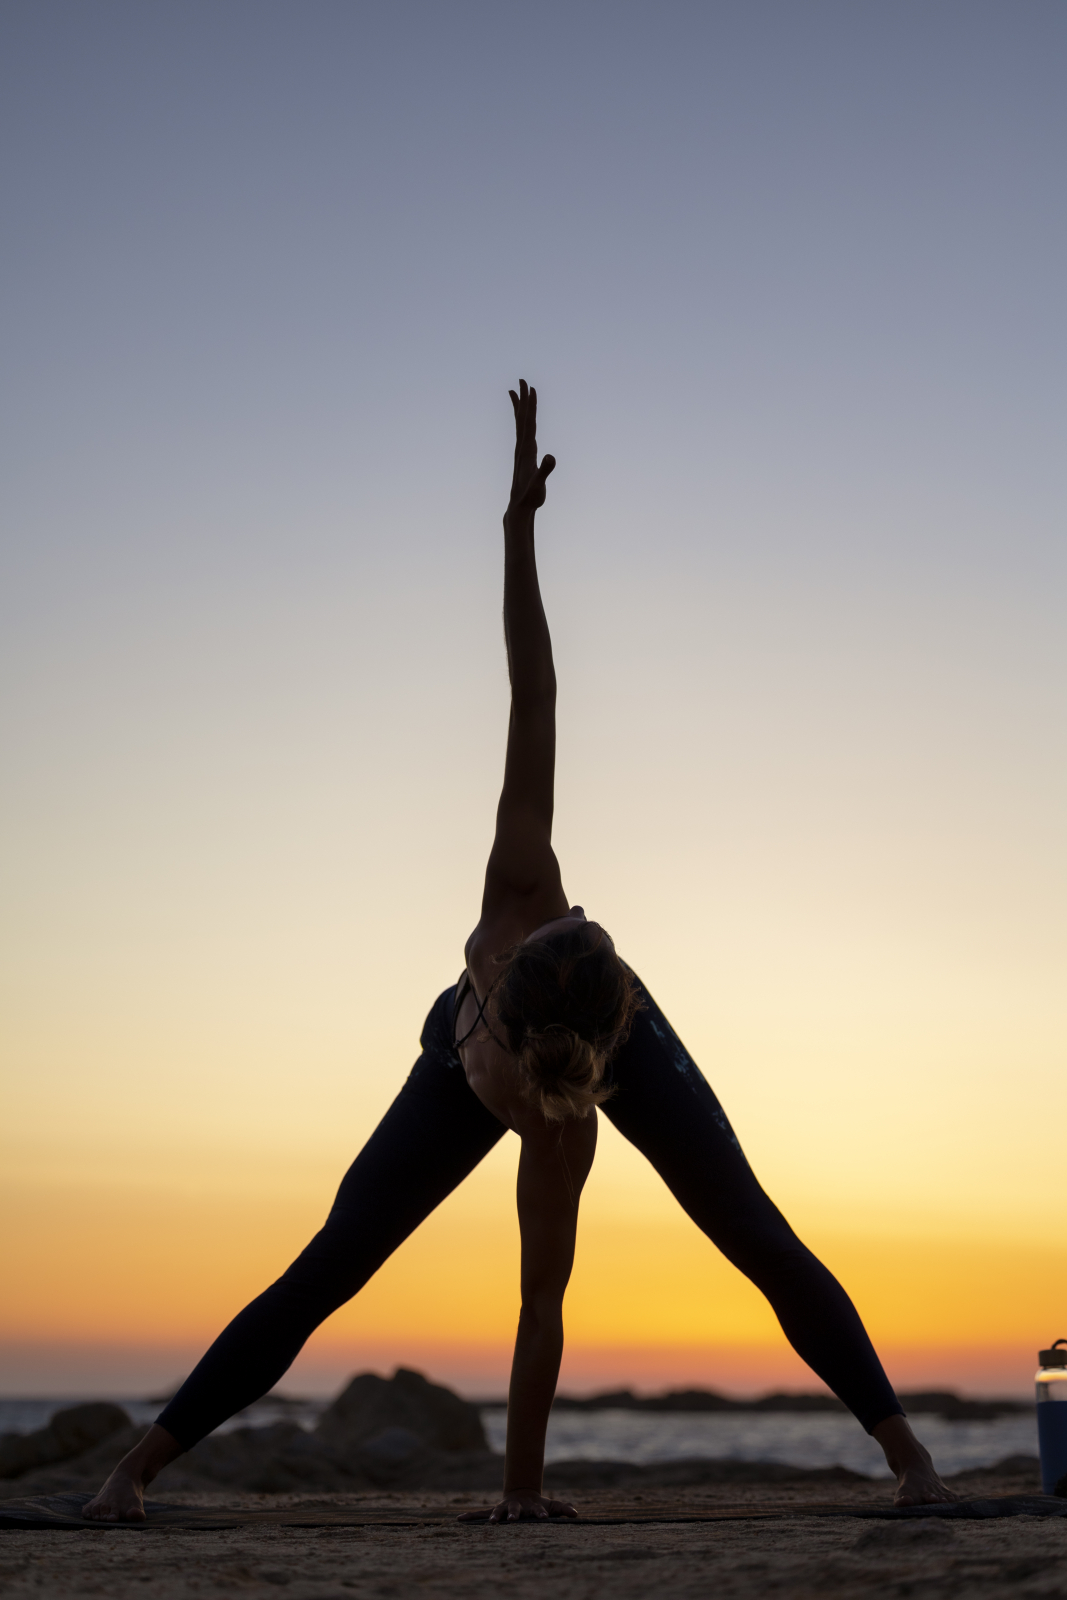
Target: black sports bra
[463,989]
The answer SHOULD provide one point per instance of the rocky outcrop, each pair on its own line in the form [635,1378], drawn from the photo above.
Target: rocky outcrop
[396,1432]
[937,1403]
[69,1434]
[407,1403]
[380,1433]
[399,1434]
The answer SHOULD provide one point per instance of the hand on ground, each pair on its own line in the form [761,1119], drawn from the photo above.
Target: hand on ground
[521,1505]
[120,1500]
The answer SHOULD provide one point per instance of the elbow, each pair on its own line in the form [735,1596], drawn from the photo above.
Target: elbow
[542,1314]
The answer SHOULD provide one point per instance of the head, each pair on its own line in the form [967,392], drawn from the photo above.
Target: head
[565,1003]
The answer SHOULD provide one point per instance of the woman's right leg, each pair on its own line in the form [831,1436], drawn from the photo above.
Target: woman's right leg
[434,1134]
[665,1106]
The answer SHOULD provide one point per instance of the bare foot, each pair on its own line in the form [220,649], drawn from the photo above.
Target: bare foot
[917,1481]
[920,1486]
[120,1500]
[122,1497]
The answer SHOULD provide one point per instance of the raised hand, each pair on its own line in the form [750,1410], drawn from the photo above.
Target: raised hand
[528,479]
[519,1505]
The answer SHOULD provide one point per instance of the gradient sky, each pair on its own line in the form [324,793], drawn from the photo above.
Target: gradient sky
[789,279]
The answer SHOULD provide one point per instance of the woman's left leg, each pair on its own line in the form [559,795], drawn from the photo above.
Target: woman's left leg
[433,1135]
[665,1107]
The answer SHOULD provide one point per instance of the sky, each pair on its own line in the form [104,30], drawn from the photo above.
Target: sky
[789,280]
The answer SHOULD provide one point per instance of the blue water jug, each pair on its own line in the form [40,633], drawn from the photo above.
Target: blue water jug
[1052,1418]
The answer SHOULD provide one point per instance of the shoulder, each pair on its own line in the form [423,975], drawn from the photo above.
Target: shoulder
[492,938]
[549,1142]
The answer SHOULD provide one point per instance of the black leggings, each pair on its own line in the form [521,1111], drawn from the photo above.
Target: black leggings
[436,1132]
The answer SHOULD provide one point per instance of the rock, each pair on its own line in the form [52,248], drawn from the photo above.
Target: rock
[953,1408]
[1011,1475]
[283,1457]
[275,1459]
[371,1405]
[606,1400]
[699,1400]
[397,1445]
[69,1433]
[1009,1466]
[79,1428]
[941,1403]
[234,1457]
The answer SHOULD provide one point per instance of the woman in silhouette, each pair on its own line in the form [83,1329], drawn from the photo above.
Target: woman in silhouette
[545,1026]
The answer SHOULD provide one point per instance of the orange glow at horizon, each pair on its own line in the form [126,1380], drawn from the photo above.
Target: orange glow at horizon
[648,1296]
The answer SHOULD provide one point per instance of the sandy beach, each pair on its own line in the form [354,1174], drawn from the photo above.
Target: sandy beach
[410,1543]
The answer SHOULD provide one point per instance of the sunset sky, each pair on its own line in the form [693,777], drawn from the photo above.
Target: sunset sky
[789,280]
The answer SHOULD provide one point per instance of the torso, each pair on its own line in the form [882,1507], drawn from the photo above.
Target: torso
[490,1068]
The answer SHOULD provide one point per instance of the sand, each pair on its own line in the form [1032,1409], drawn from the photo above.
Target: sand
[791,1556]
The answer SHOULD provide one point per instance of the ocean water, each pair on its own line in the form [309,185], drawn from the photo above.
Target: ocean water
[818,1439]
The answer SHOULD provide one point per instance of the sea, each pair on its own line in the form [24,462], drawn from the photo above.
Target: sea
[814,1439]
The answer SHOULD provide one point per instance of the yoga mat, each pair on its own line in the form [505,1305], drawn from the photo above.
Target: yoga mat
[63,1511]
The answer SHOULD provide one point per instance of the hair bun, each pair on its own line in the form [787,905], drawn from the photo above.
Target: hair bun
[565,1003]
[563,1071]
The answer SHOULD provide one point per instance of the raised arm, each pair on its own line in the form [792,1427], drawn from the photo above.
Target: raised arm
[522,865]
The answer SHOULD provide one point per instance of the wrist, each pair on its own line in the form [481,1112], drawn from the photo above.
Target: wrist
[518,518]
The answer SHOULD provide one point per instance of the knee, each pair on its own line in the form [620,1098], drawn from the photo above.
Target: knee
[762,1248]
[327,1268]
